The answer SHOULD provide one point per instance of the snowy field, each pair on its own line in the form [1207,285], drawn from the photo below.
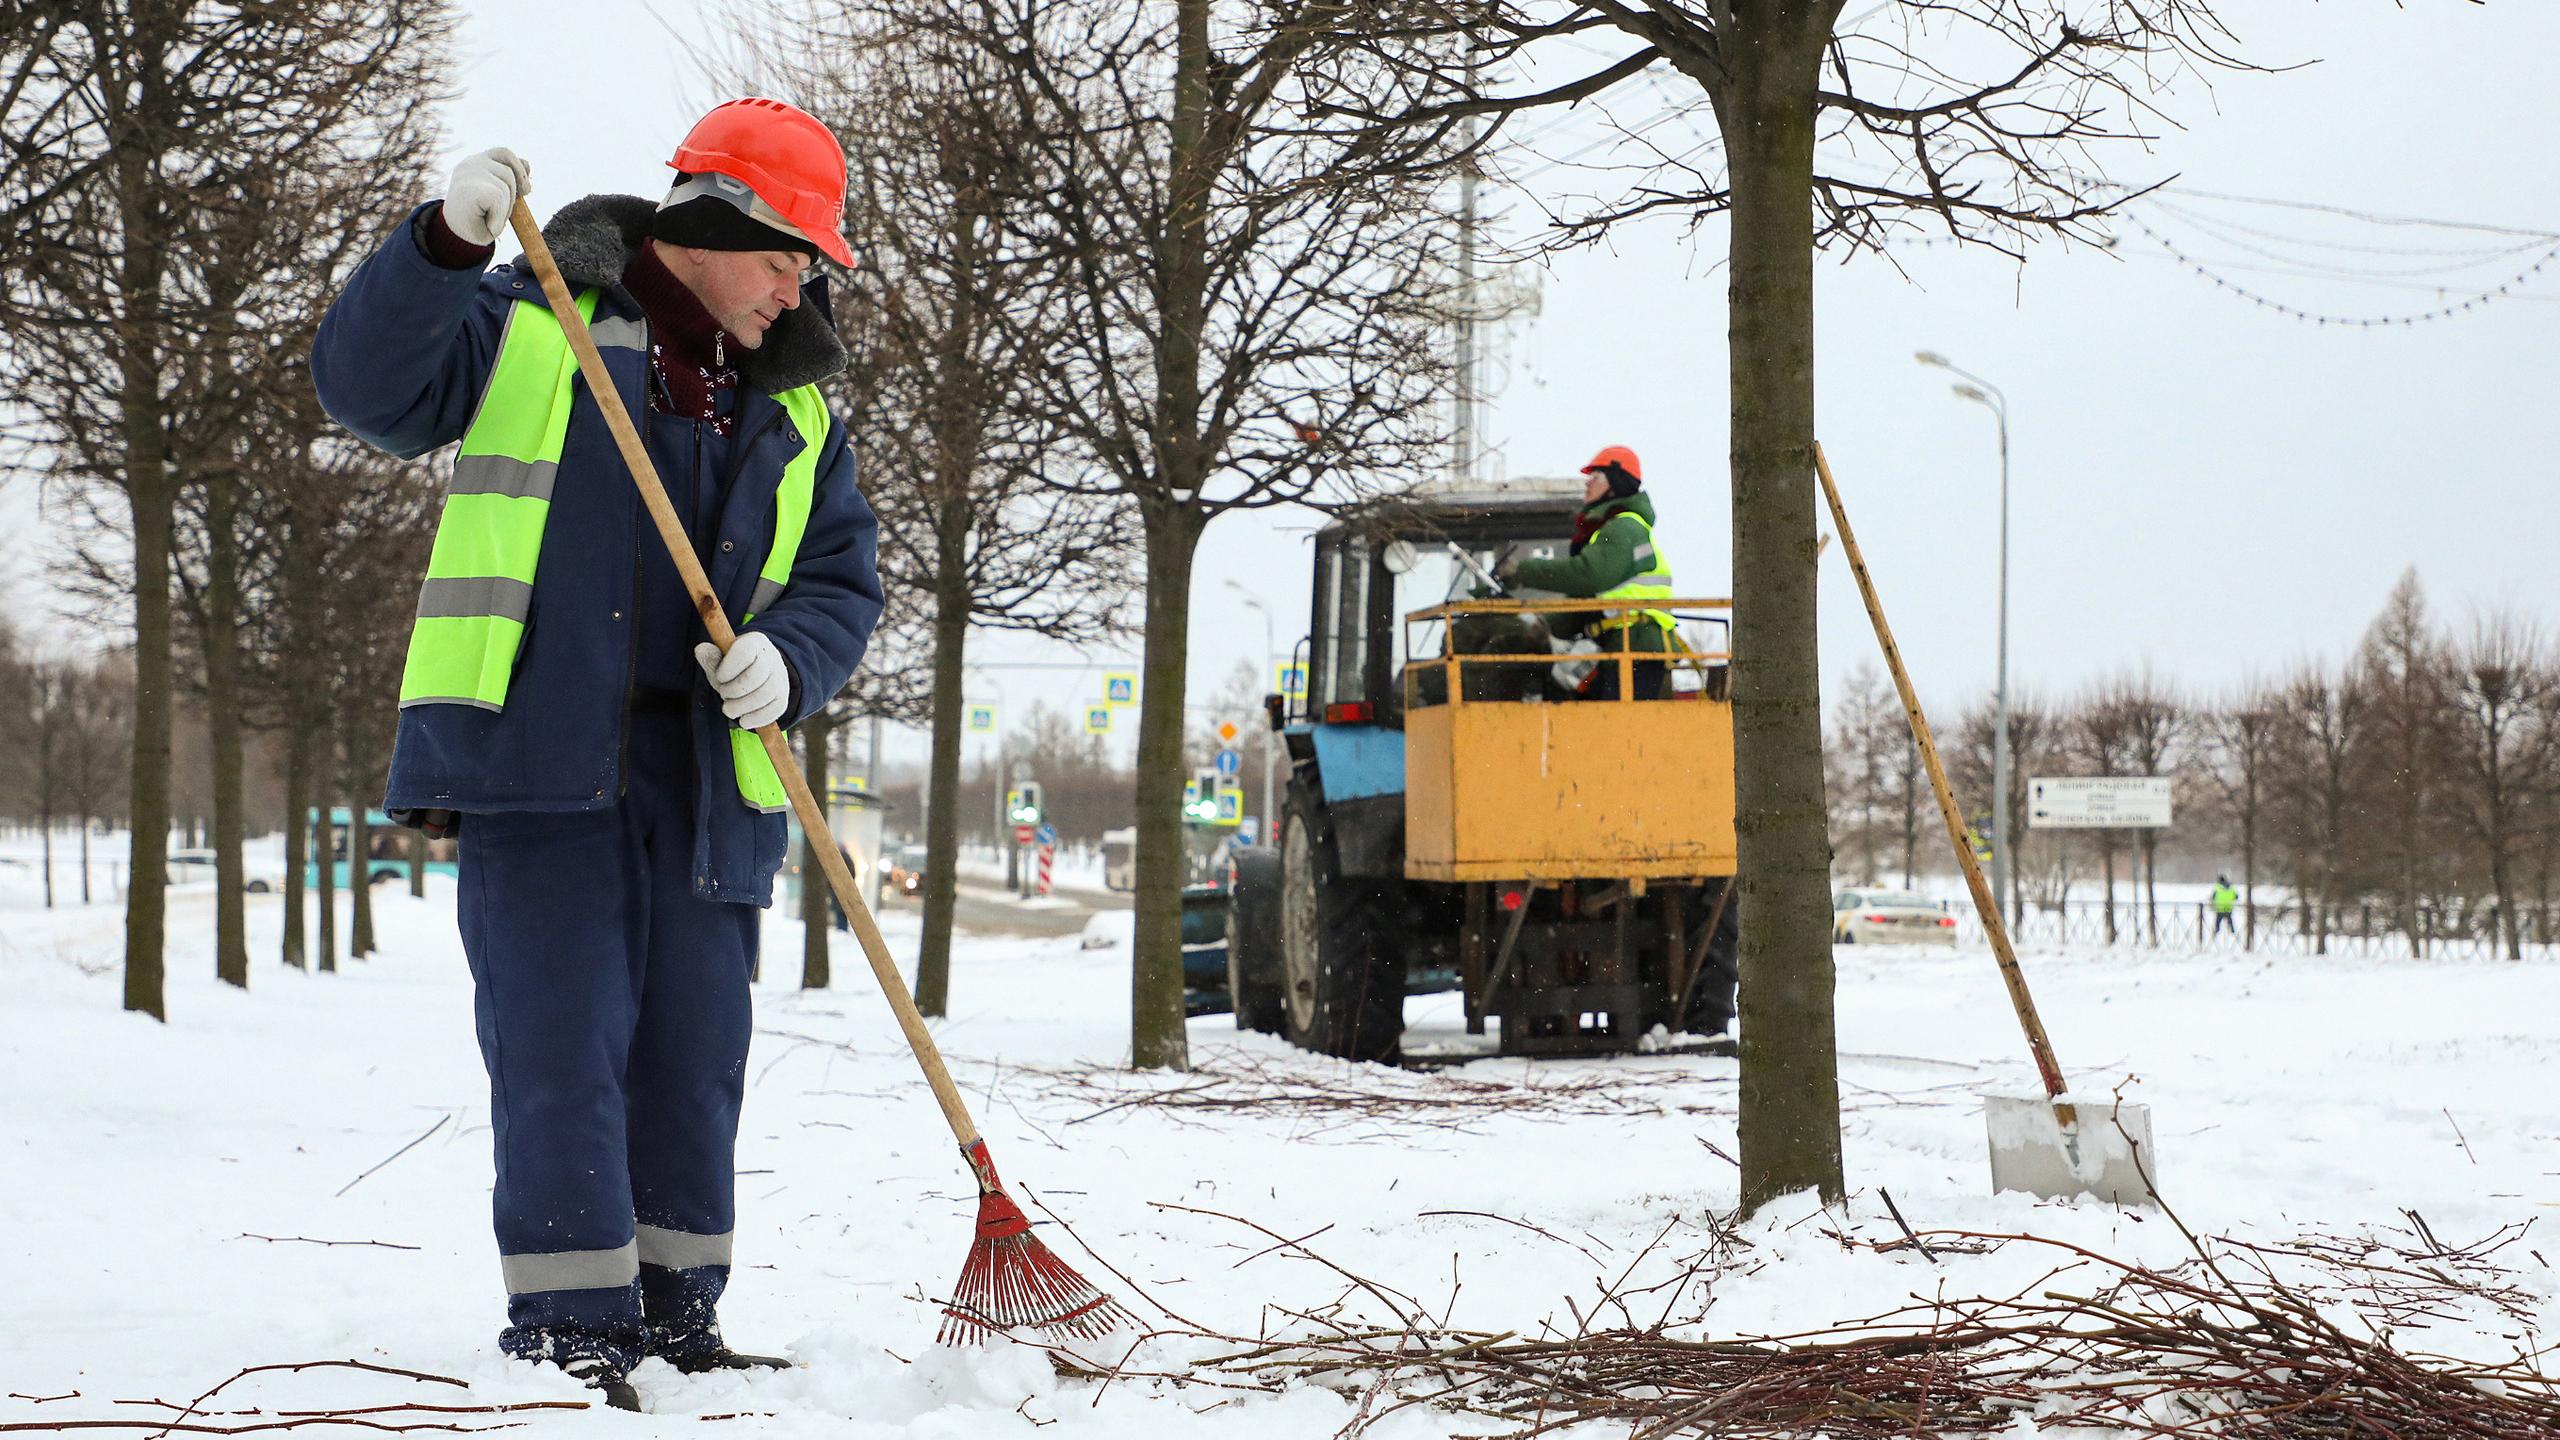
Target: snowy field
[182,1202]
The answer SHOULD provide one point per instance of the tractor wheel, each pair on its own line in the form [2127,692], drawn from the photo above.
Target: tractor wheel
[1343,967]
[1254,981]
[1711,999]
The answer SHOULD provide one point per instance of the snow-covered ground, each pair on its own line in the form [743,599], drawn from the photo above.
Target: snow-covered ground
[164,1189]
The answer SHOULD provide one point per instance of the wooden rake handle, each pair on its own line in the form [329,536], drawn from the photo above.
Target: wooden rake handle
[813,820]
[1994,924]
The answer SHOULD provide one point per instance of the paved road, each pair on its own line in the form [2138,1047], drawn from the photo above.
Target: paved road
[988,909]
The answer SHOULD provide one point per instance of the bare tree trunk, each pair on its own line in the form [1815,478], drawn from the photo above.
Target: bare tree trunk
[324,864]
[360,941]
[47,822]
[1790,1097]
[2249,863]
[1158,1036]
[297,833]
[2107,851]
[2151,884]
[815,734]
[942,783]
[146,486]
[1910,817]
[223,716]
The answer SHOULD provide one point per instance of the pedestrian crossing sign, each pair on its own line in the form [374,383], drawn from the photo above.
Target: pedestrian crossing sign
[1230,805]
[982,719]
[1119,688]
[1292,678]
[1097,720]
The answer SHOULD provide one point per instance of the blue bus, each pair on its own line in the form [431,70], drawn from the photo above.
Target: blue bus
[387,853]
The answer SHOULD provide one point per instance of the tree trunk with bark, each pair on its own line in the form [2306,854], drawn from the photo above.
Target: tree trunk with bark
[141,272]
[2249,861]
[297,836]
[360,941]
[224,704]
[324,864]
[1790,1095]
[942,784]
[1158,1038]
[816,733]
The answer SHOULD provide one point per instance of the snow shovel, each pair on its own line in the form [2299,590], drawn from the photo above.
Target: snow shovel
[1010,1280]
[2048,1145]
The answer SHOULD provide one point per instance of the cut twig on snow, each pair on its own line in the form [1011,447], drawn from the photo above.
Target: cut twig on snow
[441,1122]
[307,1240]
[194,1419]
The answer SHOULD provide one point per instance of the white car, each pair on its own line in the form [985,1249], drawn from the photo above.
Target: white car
[195,867]
[1890,917]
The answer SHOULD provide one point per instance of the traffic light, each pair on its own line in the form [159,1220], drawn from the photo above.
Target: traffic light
[1022,803]
[1200,797]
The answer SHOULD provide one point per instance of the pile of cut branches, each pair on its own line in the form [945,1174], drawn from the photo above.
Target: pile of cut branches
[1226,1079]
[2304,1341]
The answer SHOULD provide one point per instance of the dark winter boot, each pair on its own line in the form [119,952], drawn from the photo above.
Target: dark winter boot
[606,1380]
[703,1362]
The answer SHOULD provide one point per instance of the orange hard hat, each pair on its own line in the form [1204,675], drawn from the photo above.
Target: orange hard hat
[1618,455]
[783,154]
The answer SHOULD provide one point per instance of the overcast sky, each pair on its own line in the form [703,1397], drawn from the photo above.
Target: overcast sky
[2201,484]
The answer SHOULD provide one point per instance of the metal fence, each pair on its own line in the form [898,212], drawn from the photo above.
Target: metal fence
[2363,931]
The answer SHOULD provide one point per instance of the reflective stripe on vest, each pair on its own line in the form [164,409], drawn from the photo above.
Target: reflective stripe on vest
[759,784]
[1653,582]
[479,583]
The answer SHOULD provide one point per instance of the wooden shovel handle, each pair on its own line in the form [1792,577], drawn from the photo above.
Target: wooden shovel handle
[1994,924]
[813,820]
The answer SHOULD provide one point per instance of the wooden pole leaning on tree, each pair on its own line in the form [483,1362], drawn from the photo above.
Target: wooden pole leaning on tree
[2055,1156]
[1010,1278]
[1993,924]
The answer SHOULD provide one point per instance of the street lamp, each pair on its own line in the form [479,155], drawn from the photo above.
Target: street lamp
[1983,392]
[1270,659]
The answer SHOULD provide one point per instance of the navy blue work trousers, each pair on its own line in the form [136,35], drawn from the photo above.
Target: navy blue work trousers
[613,1012]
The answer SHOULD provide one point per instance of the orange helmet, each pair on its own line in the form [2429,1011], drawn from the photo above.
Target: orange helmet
[1618,455]
[783,154]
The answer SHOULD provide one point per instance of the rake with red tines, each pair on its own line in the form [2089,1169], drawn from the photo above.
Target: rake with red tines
[1011,1281]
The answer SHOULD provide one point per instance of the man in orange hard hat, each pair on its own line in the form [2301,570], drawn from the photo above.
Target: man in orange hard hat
[1613,557]
[564,711]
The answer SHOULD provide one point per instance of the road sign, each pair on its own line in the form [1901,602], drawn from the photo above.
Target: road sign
[1291,681]
[1230,763]
[982,718]
[1230,806]
[2098,802]
[1047,834]
[1119,688]
[1227,732]
[1022,834]
[1097,720]
[1247,828]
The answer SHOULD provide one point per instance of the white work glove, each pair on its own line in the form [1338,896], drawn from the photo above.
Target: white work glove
[753,679]
[484,190]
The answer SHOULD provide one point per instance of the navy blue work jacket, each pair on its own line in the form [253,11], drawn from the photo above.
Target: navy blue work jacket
[401,359]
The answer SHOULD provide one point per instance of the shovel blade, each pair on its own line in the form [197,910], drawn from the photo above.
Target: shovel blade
[2106,1154]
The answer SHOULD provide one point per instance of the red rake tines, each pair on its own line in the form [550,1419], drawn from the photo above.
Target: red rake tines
[1013,1282]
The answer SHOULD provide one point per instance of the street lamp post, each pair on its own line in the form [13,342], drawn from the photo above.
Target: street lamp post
[1270,658]
[1983,392]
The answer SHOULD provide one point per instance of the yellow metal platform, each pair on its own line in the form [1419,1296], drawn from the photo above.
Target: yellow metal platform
[1590,789]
